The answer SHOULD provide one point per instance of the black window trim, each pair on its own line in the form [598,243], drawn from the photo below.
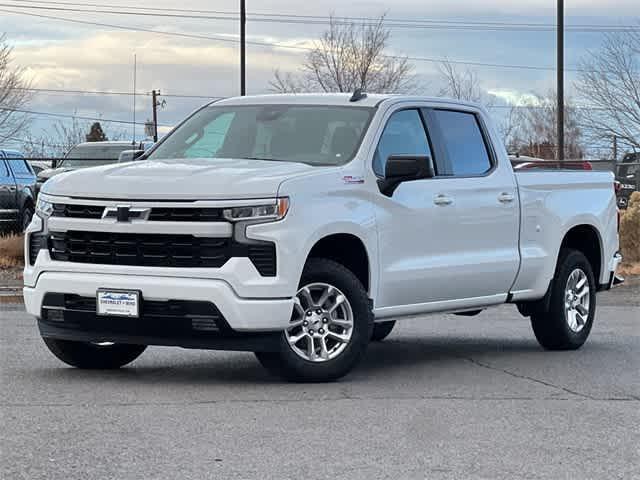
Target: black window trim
[485,138]
[423,120]
[3,164]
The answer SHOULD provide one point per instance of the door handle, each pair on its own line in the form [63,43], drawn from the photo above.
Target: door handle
[442,200]
[506,197]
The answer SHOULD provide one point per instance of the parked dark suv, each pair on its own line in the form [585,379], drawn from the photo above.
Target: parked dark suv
[17,192]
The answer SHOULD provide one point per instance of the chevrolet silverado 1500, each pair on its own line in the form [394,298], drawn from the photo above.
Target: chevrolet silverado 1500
[301,227]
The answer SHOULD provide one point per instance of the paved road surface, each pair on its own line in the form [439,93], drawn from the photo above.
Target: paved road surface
[445,397]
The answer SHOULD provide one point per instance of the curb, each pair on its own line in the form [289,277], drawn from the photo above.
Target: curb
[11,295]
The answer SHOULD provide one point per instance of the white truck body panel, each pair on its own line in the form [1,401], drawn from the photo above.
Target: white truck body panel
[496,238]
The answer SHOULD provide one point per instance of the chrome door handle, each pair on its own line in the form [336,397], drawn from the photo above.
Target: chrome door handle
[506,198]
[442,200]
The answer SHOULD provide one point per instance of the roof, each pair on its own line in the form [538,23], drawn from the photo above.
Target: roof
[11,152]
[337,99]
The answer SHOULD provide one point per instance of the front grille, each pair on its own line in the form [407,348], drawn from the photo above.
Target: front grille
[144,250]
[77,211]
[185,215]
[37,242]
[157,214]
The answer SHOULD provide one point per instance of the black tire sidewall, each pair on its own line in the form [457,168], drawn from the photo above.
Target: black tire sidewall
[294,367]
[553,329]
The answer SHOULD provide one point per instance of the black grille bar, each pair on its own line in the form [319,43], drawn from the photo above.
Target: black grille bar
[158,214]
[145,250]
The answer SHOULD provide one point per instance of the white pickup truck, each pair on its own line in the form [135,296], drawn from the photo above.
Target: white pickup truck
[301,227]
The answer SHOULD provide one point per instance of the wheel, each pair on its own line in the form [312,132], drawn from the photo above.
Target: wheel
[382,330]
[27,215]
[572,306]
[94,356]
[330,327]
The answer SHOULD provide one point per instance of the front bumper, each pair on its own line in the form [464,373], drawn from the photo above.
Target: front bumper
[241,314]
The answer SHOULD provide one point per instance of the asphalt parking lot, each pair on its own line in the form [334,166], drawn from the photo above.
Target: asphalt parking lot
[443,397]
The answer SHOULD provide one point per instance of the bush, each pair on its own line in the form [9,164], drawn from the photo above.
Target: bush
[11,251]
[630,230]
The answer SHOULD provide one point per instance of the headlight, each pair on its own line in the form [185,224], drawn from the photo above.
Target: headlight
[274,211]
[43,208]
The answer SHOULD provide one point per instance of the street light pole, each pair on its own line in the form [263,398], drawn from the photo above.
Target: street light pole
[560,93]
[243,45]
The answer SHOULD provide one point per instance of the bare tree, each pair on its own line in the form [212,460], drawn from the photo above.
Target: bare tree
[609,85]
[61,138]
[461,85]
[14,94]
[349,56]
[534,128]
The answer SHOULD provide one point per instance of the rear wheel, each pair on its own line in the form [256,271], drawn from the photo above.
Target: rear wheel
[567,323]
[382,330]
[330,327]
[99,356]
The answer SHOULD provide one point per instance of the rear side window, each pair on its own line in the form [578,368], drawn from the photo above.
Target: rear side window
[463,142]
[404,134]
[20,168]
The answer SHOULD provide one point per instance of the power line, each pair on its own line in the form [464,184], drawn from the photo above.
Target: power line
[66,115]
[322,20]
[276,45]
[98,92]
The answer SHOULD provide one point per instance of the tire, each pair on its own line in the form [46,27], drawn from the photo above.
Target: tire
[553,328]
[338,358]
[91,356]
[382,330]
[27,215]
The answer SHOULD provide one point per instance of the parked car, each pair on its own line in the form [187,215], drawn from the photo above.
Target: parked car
[301,227]
[39,165]
[628,175]
[17,192]
[90,154]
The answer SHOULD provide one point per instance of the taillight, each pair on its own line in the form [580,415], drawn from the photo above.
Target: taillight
[617,186]
[587,166]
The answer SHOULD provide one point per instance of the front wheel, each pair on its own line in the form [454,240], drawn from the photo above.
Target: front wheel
[95,356]
[330,327]
[567,323]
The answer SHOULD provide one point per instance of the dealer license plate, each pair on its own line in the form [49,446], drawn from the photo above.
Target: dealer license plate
[118,303]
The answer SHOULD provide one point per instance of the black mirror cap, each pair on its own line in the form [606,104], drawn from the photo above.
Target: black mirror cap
[404,168]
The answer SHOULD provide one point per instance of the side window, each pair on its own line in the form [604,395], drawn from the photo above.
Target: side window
[463,142]
[3,168]
[212,137]
[19,168]
[404,134]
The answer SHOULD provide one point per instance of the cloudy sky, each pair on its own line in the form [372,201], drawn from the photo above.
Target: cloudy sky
[74,56]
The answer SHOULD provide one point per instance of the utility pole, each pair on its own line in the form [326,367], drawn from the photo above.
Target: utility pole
[243,46]
[615,149]
[156,104]
[560,52]
[135,75]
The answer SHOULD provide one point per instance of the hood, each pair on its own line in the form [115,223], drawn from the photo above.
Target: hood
[193,179]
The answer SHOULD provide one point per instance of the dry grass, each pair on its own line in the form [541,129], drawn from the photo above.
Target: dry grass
[11,251]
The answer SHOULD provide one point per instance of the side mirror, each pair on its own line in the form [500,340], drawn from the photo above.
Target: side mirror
[130,155]
[404,168]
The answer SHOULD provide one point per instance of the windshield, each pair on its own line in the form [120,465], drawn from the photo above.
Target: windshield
[316,135]
[82,156]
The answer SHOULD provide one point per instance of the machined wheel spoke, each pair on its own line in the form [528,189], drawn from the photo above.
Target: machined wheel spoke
[342,323]
[581,282]
[311,348]
[296,338]
[340,337]
[306,294]
[339,301]
[295,324]
[325,296]
[324,353]
[297,306]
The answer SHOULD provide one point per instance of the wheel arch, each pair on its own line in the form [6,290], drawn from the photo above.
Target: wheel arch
[586,239]
[347,249]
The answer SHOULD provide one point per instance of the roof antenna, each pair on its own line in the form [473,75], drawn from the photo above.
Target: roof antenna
[358,95]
